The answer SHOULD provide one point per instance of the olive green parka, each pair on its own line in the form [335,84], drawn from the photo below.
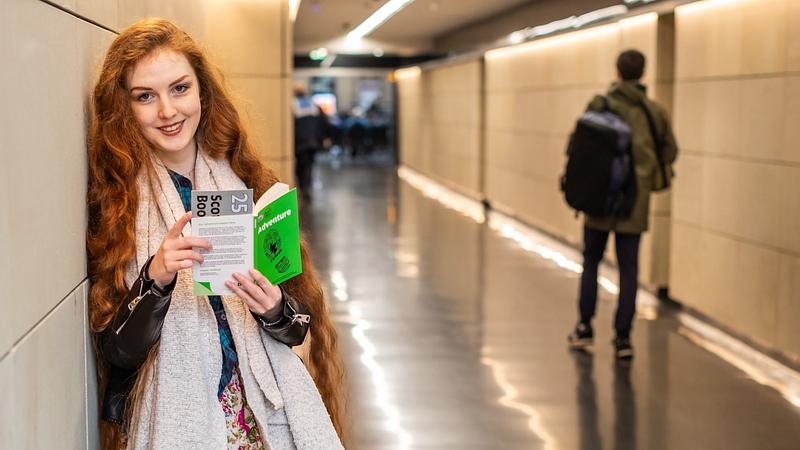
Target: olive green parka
[624,98]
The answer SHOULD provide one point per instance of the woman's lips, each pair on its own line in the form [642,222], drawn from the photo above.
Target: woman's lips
[172,130]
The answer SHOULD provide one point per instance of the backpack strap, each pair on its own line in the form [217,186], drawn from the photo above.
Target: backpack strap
[604,105]
[657,142]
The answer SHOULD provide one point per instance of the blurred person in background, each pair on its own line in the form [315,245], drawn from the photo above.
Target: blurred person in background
[309,133]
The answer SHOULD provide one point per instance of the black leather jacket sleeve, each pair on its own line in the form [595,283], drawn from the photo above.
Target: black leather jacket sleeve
[137,324]
[292,326]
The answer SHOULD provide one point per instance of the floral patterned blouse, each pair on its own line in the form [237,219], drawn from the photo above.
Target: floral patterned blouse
[242,429]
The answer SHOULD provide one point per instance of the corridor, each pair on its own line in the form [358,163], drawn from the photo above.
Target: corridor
[454,338]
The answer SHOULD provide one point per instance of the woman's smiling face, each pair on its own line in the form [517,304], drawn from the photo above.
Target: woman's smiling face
[165,98]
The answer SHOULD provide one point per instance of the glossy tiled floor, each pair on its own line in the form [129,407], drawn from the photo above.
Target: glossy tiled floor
[454,338]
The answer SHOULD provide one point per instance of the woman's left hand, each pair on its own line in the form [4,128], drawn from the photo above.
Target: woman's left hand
[262,297]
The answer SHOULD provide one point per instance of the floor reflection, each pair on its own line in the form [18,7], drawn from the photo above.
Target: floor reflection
[586,402]
[454,338]
[624,407]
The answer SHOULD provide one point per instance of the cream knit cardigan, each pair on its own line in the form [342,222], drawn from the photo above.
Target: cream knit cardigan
[179,408]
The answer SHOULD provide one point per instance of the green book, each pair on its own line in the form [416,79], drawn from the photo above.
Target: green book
[277,234]
[264,236]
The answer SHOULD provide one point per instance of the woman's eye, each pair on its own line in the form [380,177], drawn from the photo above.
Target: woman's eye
[181,88]
[144,97]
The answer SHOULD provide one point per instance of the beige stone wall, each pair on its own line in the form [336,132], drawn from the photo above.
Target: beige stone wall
[534,94]
[736,227]
[50,55]
[252,42]
[440,123]
[409,109]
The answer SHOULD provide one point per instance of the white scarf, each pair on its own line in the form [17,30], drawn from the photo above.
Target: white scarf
[179,408]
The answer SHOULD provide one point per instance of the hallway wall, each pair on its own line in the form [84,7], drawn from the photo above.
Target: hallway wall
[736,246]
[50,56]
[440,123]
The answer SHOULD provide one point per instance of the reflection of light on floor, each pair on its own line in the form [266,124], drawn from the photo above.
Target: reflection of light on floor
[509,399]
[408,271]
[526,237]
[565,257]
[447,197]
[382,397]
[407,264]
[339,286]
[756,365]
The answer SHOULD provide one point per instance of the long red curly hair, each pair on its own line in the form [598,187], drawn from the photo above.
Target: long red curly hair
[117,151]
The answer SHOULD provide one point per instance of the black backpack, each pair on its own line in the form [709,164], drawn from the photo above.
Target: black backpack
[599,179]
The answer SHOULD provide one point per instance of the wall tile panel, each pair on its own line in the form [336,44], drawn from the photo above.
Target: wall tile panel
[440,123]
[764,36]
[54,414]
[50,35]
[721,118]
[688,200]
[757,277]
[256,98]
[787,212]
[235,27]
[762,117]
[101,11]
[793,36]
[789,149]
[788,311]
[686,263]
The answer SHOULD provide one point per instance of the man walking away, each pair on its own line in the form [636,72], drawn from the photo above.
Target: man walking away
[654,150]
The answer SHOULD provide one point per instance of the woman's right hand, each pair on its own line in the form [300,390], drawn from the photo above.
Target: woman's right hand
[176,253]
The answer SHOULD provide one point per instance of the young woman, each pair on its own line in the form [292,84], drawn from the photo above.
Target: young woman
[175,370]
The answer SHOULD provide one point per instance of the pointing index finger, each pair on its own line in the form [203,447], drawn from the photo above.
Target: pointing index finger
[176,229]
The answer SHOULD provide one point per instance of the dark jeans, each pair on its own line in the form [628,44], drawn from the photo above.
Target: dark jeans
[303,164]
[594,245]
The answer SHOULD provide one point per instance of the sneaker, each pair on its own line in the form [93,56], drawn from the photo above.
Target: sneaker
[622,348]
[581,337]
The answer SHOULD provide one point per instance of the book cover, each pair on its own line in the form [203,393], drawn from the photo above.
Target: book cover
[277,239]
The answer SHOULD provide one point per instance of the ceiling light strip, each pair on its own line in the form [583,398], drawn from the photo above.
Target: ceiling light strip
[294,6]
[377,18]
[568,23]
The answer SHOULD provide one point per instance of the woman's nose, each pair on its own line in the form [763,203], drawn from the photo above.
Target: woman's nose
[166,110]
